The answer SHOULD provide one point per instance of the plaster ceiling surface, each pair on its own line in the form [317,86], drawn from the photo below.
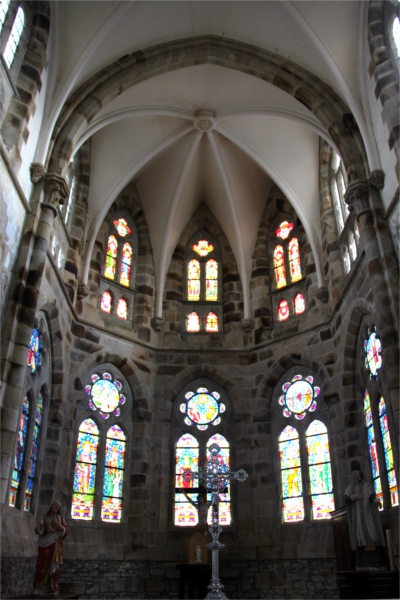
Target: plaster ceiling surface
[258,136]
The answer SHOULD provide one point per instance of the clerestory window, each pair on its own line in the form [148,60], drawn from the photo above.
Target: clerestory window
[14,37]
[203,283]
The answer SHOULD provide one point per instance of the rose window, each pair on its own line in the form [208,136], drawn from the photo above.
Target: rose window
[202,408]
[105,395]
[299,397]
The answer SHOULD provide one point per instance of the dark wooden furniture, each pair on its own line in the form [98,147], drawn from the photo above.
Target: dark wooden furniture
[344,555]
[368,584]
[194,580]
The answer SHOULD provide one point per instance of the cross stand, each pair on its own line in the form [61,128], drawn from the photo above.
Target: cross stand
[215,475]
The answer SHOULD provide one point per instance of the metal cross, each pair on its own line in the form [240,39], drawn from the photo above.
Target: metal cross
[215,475]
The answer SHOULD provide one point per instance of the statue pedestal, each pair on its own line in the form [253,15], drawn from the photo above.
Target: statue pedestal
[194,580]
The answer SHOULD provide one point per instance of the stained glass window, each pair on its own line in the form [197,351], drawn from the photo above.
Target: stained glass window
[194,280]
[14,37]
[122,227]
[186,490]
[122,309]
[294,260]
[34,451]
[372,447]
[373,348]
[111,258]
[284,230]
[292,489]
[105,395]
[20,451]
[34,355]
[111,508]
[202,248]
[212,323]
[126,265]
[299,396]
[106,302]
[212,280]
[85,471]
[279,266]
[283,310]
[193,322]
[319,466]
[387,445]
[299,304]
[202,408]
[224,508]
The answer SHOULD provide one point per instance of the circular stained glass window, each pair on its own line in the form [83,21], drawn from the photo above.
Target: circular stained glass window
[373,348]
[202,408]
[105,395]
[299,397]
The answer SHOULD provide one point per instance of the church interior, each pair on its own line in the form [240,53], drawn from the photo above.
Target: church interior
[199,261]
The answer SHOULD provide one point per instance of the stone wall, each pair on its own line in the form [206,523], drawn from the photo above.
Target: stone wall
[94,579]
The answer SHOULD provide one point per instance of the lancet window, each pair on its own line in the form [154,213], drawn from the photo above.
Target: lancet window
[100,459]
[119,254]
[203,302]
[377,422]
[287,281]
[304,453]
[199,415]
[26,461]
[15,33]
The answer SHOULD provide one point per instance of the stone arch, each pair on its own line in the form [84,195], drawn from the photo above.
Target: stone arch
[113,80]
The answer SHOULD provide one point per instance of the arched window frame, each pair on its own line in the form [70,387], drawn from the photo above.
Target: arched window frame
[121,417]
[288,292]
[180,428]
[11,14]
[37,389]
[373,382]
[201,306]
[317,411]
[113,286]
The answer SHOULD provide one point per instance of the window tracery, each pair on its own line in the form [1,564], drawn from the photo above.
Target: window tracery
[304,453]
[288,285]
[25,469]
[203,285]
[100,457]
[379,442]
[199,413]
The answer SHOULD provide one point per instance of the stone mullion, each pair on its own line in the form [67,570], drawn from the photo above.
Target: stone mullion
[55,189]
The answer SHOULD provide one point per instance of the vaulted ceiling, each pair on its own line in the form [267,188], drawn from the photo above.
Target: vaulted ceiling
[205,132]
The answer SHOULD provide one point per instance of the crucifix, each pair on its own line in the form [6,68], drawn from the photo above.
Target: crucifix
[215,475]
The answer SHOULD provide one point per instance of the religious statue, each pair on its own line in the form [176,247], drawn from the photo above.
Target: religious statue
[365,528]
[52,531]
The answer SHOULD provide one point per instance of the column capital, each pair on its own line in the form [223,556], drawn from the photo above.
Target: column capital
[56,191]
[357,197]
[37,172]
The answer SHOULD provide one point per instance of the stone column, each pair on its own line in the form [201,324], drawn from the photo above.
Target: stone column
[54,191]
[363,198]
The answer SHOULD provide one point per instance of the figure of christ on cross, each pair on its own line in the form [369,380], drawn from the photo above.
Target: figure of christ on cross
[215,475]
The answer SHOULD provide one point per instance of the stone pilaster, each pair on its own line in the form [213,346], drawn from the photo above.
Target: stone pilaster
[55,189]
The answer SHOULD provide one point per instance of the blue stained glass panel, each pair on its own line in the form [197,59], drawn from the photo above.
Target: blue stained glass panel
[34,450]
[20,451]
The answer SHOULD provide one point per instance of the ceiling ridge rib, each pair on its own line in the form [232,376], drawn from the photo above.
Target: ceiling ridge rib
[241,259]
[160,279]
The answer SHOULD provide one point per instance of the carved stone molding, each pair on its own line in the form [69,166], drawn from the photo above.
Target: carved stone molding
[357,197]
[157,323]
[56,191]
[323,294]
[37,172]
[377,179]
[83,291]
[247,325]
